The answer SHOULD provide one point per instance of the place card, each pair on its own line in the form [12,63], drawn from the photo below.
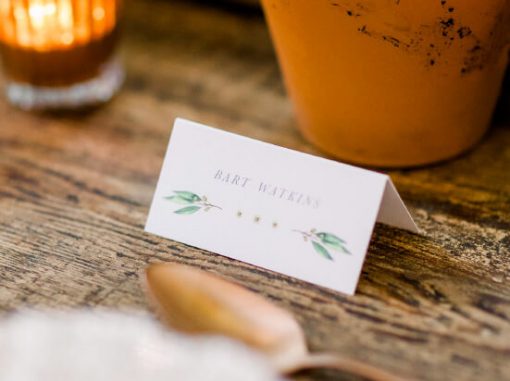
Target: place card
[283,210]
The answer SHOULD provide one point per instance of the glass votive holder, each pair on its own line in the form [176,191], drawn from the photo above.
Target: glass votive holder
[60,54]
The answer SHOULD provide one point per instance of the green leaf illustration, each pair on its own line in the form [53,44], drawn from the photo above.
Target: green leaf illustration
[188,210]
[194,201]
[324,243]
[342,248]
[333,242]
[188,196]
[330,238]
[321,250]
[178,200]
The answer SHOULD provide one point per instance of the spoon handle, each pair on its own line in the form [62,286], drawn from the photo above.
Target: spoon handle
[335,361]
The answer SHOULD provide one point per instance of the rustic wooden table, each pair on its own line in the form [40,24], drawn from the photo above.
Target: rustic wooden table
[75,191]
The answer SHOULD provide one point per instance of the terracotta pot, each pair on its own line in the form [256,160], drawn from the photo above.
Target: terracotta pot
[392,83]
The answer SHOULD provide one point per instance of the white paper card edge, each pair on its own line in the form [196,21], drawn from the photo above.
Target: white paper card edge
[393,211]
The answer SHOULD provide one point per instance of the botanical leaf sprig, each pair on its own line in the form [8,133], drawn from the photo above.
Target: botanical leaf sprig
[322,241]
[193,202]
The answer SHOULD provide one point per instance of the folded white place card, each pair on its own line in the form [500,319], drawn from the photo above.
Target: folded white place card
[290,212]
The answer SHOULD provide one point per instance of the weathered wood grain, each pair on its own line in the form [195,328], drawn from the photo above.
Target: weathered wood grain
[75,191]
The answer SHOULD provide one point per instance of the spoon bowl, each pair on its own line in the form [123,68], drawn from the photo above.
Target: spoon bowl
[195,301]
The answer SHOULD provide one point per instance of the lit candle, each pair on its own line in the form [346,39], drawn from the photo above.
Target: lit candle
[52,47]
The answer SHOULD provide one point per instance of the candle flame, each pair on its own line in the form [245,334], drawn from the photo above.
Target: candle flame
[54,24]
[39,13]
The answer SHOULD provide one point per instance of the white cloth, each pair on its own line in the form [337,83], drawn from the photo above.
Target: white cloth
[95,345]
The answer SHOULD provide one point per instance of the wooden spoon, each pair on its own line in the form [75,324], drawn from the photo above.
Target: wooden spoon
[195,301]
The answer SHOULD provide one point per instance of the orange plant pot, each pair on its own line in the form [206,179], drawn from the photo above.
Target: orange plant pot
[392,83]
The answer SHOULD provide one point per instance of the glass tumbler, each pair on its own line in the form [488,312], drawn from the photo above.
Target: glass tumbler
[59,54]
